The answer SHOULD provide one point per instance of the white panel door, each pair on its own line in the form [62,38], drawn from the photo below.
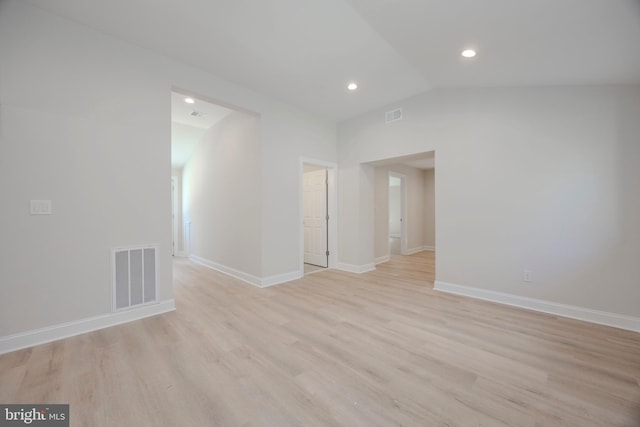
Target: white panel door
[315,217]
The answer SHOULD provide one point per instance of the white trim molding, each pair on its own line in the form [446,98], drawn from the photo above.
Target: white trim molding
[22,340]
[358,269]
[280,278]
[420,249]
[413,250]
[564,310]
[382,259]
[246,277]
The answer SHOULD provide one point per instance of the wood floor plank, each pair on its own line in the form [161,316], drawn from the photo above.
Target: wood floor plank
[335,349]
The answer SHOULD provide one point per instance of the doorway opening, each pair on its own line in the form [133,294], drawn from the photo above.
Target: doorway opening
[174,210]
[404,213]
[397,213]
[315,183]
[195,123]
[318,216]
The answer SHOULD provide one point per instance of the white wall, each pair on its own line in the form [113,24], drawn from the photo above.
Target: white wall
[85,121]
[543,179]
[381,214]
[72,132]
[356,215]
[288,135]
[176,175]
[222,194]
[394,211]
[429,209]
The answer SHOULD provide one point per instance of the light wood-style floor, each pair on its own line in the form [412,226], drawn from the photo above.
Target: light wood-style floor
[378,349]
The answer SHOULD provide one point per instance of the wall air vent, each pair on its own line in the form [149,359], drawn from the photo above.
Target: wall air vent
[134,276]
[393,115]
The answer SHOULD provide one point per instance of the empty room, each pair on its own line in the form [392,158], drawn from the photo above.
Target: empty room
[320,213]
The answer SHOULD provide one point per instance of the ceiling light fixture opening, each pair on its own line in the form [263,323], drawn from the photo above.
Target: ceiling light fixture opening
[352,86]
[468,53]
[189,100]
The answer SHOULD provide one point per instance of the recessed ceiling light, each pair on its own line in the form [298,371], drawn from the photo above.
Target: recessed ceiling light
[469,53]
[352,86]
[189,100]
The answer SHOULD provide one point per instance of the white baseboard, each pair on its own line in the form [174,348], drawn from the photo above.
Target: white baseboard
[573,312]
[419,249]
[382,259]
[281,278]
[65,330]
[181,254]
[386,258]
[413,251]
[246,277]
[358,269]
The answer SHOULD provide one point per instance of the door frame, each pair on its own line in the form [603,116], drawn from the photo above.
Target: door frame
[320,183]
[332,209]
[403,211]
[174,214]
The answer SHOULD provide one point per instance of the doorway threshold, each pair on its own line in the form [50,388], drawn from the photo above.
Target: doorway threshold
[311,268]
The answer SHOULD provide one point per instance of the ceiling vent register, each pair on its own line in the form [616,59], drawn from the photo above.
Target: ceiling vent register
[393,115]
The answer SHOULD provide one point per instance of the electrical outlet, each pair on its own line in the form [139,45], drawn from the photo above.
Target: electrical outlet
[40,207]
[527,276]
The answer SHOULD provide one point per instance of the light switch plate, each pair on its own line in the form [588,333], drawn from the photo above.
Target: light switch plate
[40,207]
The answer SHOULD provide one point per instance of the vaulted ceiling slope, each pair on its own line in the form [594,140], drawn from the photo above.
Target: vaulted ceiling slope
[304,52]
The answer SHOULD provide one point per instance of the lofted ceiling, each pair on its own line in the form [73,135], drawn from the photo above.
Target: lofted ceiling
[198,114]
[188,122]
[304,52]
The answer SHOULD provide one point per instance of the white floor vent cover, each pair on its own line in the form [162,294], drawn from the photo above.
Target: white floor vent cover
[134,276]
